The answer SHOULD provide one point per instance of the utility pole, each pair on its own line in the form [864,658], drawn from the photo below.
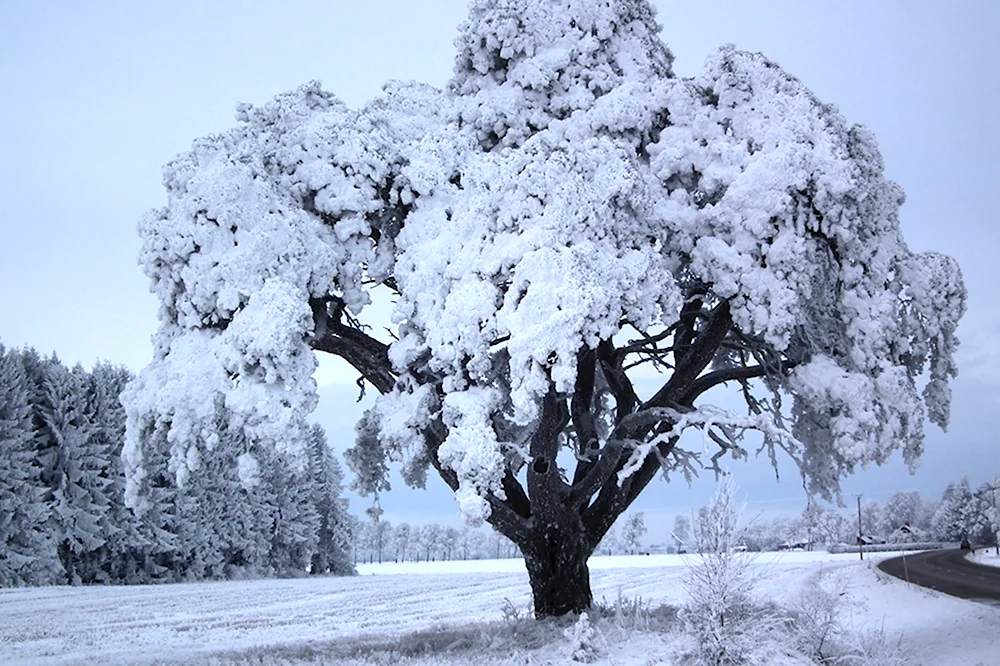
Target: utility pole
[996,517]
[861,547]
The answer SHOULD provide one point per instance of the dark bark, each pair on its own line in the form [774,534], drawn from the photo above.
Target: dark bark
[556,559]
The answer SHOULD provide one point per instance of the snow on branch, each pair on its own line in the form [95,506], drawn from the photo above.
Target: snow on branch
[719,427]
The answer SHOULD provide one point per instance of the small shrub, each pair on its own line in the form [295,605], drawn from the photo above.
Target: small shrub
[586,642]
[815,621]
[872,647]
[511,613]
[727,624]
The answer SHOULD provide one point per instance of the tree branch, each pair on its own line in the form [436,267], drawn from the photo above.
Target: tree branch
[618,382]
[712,379]
[516,497]
[546,488]
[613,499]
[581,408]
[691,364]
[365,354]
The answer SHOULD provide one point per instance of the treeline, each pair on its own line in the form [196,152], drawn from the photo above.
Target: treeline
[63,519]
[377,540]
[381,541]
[905,517]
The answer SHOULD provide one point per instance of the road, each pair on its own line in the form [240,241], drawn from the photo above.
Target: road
[947,571]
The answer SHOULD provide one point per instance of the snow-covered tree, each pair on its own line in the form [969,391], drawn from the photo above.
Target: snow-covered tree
[120,560]
[27,554]
[632,532]
[610,544]
[499,546]
[985,507]
[992,500]
[564,214]
[449,542]
[429,538]
[230,525]
[681,533]
[908,516]
[729,626]
[764,534]
[401,541]
[376,533]
[471,544]
[79,468]
[822,525]
[327,484]
[873,520]
[962,514]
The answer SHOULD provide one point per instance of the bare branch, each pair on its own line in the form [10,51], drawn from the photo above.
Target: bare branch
[716,377]
[581,409]
[694,362]
[618,382]
[365,354]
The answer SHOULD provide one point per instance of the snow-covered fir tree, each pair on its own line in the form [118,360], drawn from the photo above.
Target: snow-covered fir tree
[62,512]
[78,466]
[27,551]
[102,388]
[564,214]
[296,522]
[963,514]
[332,554]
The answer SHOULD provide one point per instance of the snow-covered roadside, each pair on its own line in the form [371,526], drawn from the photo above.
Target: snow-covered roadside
[935,628]
[305,621]
[985,556]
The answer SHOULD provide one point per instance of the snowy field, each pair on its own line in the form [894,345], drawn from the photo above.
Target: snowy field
[450,613]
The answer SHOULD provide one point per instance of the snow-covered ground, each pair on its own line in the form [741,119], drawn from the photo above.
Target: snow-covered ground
[446,613]
[987,556]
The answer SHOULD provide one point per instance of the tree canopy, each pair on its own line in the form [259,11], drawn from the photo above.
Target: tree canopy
[564,216]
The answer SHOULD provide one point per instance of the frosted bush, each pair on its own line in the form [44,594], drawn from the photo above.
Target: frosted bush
[728,624]
[586,642]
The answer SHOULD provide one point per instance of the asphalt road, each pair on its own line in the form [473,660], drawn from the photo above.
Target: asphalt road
[947,571]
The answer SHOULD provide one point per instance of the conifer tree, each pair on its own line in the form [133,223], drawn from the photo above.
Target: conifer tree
[960,515]
[105,385]
[333,537]
[26,552]
[295,535]
[157,553]
[78,471]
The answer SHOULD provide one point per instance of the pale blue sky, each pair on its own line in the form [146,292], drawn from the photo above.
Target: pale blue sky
[95,97]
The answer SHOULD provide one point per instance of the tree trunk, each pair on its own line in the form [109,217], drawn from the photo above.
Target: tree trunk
[557,570]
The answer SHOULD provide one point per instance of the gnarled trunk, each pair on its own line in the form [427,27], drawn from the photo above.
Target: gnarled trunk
[556,560]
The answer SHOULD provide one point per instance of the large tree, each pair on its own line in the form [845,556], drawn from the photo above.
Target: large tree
[565,216]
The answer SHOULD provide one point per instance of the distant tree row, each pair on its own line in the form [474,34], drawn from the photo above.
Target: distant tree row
[63,518]
[904,517]
[377,540]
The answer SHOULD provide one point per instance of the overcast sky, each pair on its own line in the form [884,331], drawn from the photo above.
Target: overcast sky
[95,97]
